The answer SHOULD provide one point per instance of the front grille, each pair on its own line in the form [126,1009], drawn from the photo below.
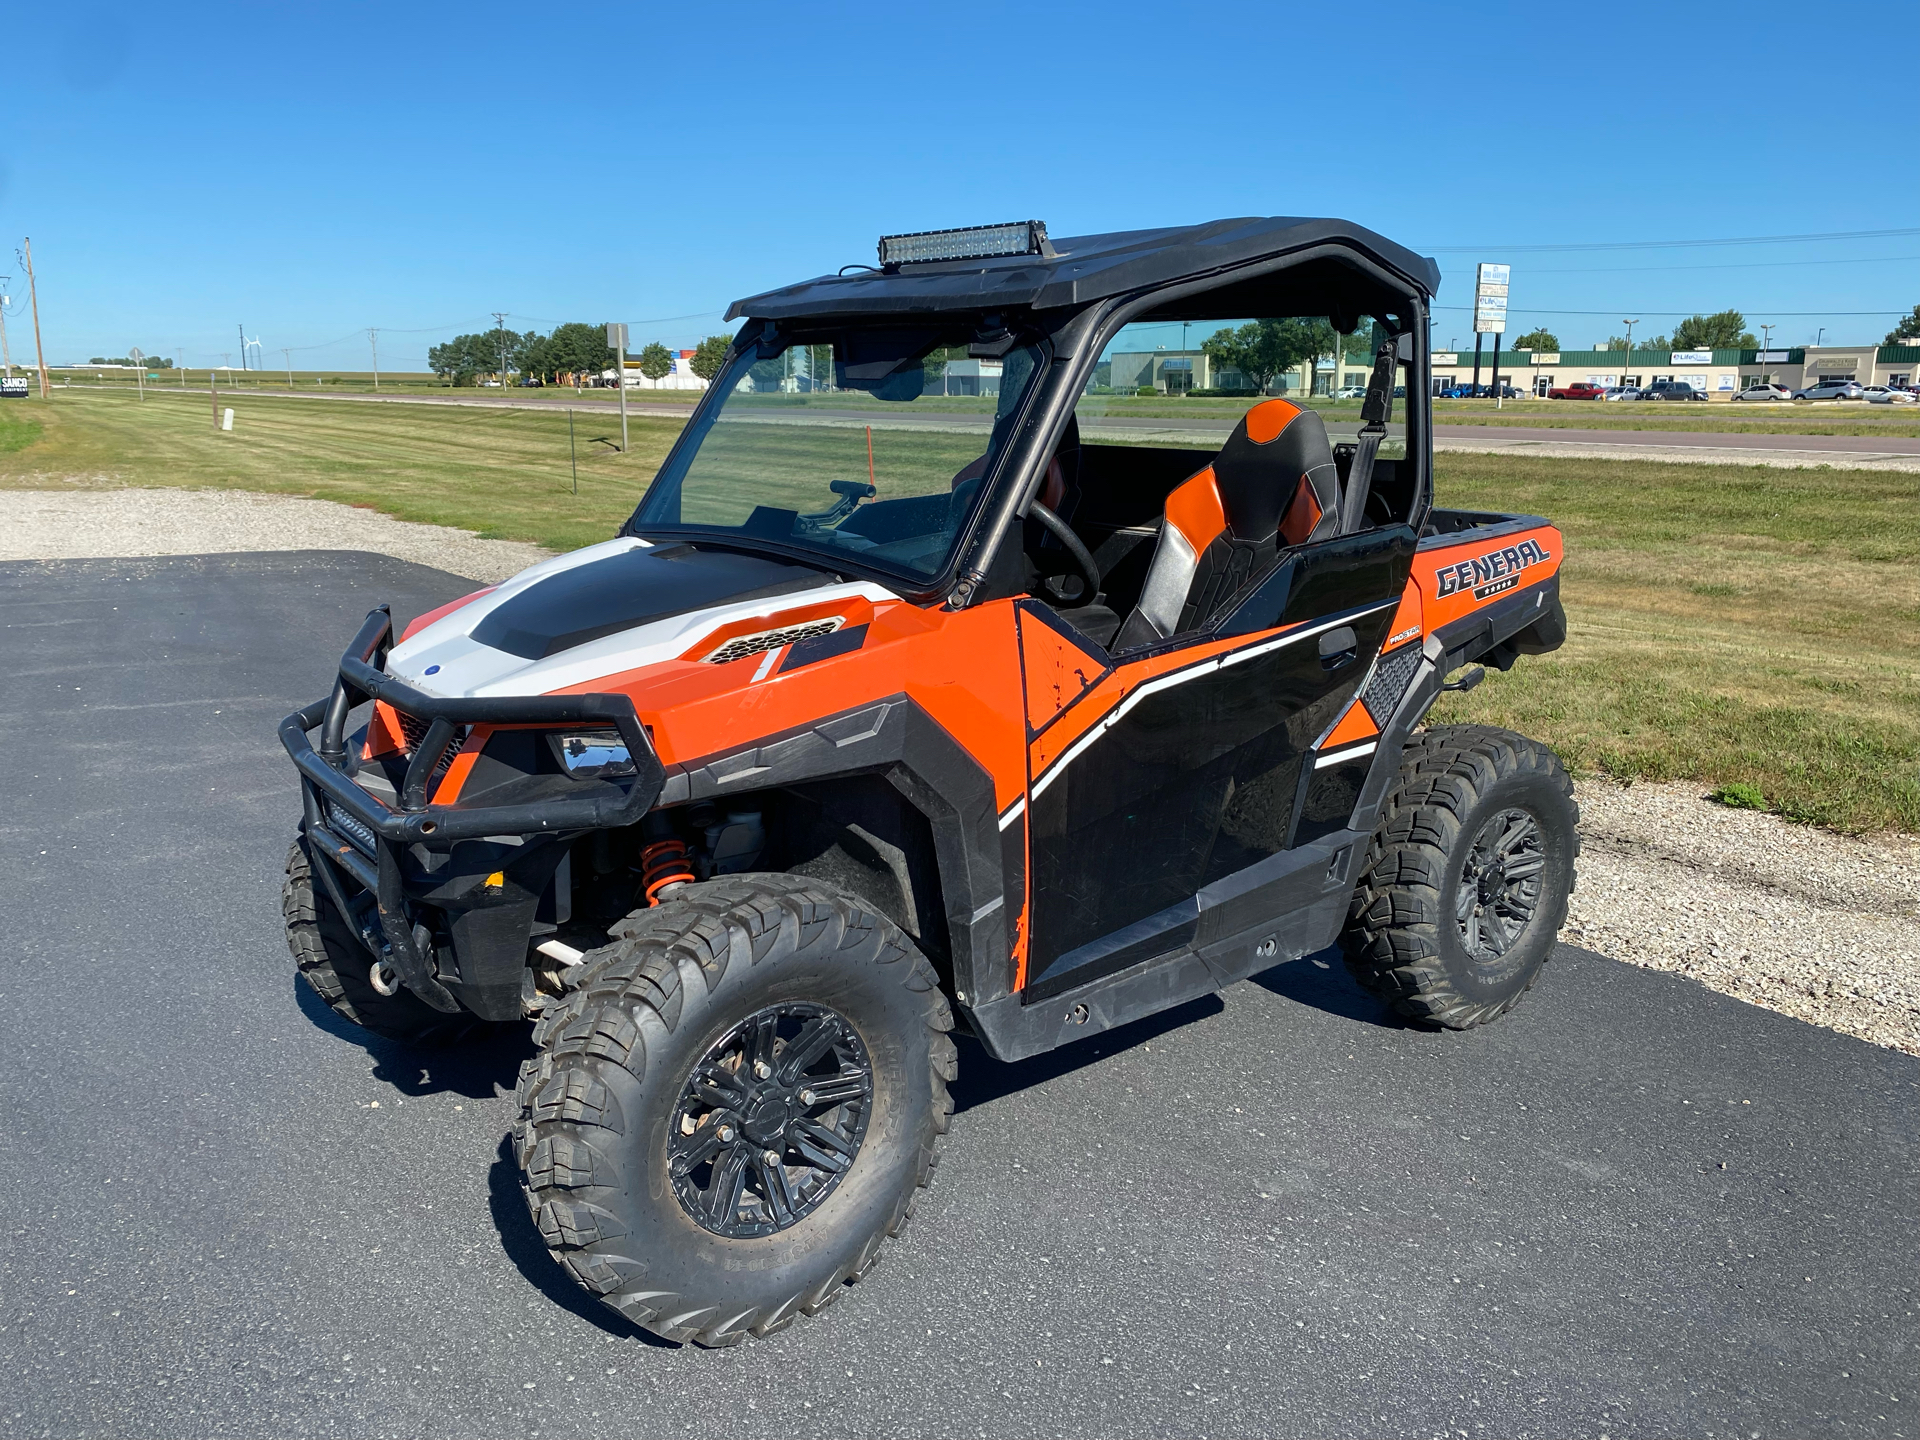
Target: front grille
[412,730]
[354,830]
[742,646]
[1390,680]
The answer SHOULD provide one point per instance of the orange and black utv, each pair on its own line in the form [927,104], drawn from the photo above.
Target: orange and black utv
[951,674]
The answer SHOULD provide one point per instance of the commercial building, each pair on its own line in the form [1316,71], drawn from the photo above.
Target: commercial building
[1179,372]
[1722,374]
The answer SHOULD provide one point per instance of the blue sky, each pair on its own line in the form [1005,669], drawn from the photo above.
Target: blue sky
[315,171]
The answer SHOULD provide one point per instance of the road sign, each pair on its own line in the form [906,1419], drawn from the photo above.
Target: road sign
[616,336]
[1490,284]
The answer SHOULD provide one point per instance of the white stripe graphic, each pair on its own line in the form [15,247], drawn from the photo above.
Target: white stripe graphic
[767,664]
[1352,752]
[1180,677]
[1014,812]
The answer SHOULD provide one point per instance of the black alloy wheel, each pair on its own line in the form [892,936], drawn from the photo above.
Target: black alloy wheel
[770,1119]
[1468,877]
[1499,888]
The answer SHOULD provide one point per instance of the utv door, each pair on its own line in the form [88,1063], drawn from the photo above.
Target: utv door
[1174,777]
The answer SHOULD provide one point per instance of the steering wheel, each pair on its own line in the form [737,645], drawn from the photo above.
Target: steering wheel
[1082,560]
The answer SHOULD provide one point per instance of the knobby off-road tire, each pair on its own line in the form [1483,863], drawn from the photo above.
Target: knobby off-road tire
[1467,877]
[336,965]
[608,1108]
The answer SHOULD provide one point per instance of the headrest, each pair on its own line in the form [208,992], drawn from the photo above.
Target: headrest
[1275,445]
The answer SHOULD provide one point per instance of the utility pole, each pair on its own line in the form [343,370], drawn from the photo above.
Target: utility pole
[287,350]
[373,340]
[1628,363]
[139,371]
[617,338]
[181,368]
[33,297]
[243,346]
[500,326]
[213,389]
[6,355]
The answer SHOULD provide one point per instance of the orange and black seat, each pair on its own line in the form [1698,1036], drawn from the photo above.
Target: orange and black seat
[1273,484]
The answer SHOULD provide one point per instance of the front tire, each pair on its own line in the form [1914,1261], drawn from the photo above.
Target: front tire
[339,968]
[1467,878]
[736,1106]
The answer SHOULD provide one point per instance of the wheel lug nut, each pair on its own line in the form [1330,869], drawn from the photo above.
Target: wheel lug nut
[726,1134]
[761,1070]
[806,1097]
[772,1157]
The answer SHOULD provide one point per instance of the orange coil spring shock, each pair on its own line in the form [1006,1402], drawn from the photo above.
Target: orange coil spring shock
[662,864]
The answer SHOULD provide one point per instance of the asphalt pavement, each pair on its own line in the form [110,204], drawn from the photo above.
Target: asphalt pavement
[1633,1207]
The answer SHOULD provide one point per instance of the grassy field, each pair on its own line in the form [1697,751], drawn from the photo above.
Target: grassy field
[1728,625]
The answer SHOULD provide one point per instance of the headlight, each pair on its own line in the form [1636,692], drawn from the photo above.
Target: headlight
[594,754]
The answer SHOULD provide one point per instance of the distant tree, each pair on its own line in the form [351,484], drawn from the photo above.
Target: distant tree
[708,355]
[1724,330]
[579,350]
[1655,342]
[1262,350]
[1906,332]
[1537,340]
[656,361]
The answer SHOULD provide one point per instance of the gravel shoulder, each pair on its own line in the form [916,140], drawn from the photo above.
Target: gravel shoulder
[123,523]
[1819,926]
[1822,927]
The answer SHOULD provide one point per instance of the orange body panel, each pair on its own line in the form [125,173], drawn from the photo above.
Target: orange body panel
[1055,669]
[962,668]
[1456,580]
[1357,724]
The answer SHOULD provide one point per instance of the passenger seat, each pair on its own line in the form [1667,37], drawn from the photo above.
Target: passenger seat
[1273,484]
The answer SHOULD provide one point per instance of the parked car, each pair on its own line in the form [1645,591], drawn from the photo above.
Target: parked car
[1672,390]
[1621,392]
[1831,390]
[1579,390]
[1351,392]
[1765,392]
[1890,395]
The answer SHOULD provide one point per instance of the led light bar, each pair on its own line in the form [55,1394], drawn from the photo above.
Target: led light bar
[976,242]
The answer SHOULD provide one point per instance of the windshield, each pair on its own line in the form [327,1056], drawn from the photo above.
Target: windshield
[866,443]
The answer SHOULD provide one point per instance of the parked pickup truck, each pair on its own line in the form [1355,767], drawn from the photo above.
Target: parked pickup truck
[1580,390]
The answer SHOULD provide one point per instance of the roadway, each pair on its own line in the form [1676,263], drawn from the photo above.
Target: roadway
[1631,1208]
[1209,431]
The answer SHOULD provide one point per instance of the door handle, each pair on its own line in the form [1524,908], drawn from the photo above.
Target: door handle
[1338,647]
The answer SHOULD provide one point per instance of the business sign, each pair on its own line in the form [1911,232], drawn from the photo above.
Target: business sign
[1546,357]
[1770,357]
[13,386]
[1848,363]
[1693,357]
[1446,357]
[1490,284]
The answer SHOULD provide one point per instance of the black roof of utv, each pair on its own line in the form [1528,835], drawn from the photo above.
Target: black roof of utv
[1082,269]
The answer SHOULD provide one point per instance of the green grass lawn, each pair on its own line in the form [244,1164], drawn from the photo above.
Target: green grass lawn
[1728,624]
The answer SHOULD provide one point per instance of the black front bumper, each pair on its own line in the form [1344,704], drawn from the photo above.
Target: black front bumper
[358,836]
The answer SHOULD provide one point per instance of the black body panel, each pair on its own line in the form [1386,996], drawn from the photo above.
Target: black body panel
[632,588]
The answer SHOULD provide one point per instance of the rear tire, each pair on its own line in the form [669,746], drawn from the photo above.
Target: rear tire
[334,962]
[1467,878]
[681,1154]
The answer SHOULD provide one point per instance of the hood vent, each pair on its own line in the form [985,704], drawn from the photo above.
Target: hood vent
[741,646]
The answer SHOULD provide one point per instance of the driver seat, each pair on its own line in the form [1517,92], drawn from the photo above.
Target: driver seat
[1273,483]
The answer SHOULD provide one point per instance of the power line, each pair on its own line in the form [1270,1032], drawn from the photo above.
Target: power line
[1818,314]
[1675,244]
[1745,265]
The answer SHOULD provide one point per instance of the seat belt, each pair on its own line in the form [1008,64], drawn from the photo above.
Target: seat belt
[1374,411]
